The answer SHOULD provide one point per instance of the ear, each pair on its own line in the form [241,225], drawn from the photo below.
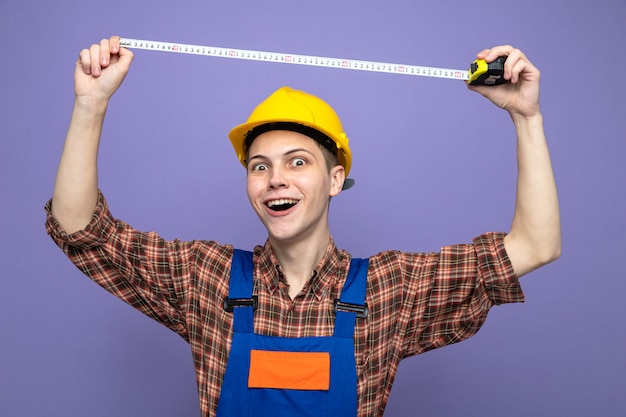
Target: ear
[337,177]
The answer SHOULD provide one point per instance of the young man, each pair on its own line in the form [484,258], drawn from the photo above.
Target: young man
[298,327]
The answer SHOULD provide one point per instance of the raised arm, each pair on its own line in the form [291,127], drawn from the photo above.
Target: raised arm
[99,72]
[535,236]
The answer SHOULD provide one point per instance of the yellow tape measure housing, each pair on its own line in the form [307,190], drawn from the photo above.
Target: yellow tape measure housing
[483,73]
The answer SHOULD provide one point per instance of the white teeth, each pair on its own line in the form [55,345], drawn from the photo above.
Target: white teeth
[281,202]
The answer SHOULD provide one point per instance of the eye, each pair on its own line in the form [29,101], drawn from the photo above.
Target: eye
[298,162]
[258,167]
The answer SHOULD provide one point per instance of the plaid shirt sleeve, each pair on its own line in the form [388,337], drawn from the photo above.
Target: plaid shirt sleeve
[446,295]
[149,273]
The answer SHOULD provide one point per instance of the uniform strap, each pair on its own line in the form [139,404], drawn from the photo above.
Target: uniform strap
[240,300]
[351,303]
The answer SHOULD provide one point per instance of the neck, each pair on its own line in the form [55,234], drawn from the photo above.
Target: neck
[299,259]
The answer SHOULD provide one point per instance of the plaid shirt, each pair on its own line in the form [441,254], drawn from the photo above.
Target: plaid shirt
[417,301]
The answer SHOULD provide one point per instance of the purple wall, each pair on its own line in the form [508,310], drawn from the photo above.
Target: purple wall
[434,163]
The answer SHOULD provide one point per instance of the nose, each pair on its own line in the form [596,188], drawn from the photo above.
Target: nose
[278,178]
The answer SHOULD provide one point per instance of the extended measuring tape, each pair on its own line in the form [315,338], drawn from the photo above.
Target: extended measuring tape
[479,73]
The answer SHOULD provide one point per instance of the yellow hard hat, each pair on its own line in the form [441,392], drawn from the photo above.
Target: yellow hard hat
[289,107]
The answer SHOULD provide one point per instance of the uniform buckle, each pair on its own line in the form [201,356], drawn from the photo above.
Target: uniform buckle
[231,303]
[361,310]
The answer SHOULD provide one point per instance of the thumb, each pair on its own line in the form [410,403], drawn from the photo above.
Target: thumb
[125,58]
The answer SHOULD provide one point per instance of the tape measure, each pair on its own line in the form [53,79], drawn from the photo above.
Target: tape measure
[479,73]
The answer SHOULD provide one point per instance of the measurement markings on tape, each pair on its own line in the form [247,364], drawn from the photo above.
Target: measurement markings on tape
[285,58]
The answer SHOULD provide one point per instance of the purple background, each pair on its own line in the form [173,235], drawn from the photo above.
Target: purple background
[434,164]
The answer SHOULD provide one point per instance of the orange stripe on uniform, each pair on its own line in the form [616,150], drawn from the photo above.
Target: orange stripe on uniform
[289,370]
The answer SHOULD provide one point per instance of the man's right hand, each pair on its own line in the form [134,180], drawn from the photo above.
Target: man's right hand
[101,69]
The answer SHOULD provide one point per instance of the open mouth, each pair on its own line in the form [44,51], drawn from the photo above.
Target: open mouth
[281,204]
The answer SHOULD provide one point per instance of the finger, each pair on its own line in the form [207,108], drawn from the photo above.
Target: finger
[503,50]
[491,54]
[123,60]
[105,53]
[94,59]
[126,55]
[524,70]
[482,54]
[514,65]
[114,44]
[84,61]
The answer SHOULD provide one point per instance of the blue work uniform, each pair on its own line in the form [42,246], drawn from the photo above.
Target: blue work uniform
[280,376]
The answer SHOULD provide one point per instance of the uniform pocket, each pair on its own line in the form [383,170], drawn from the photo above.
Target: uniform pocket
[289,370]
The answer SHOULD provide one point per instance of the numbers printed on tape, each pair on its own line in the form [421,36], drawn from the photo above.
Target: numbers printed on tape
[294,59]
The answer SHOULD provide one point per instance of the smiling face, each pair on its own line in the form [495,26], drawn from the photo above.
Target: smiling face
[289,185]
